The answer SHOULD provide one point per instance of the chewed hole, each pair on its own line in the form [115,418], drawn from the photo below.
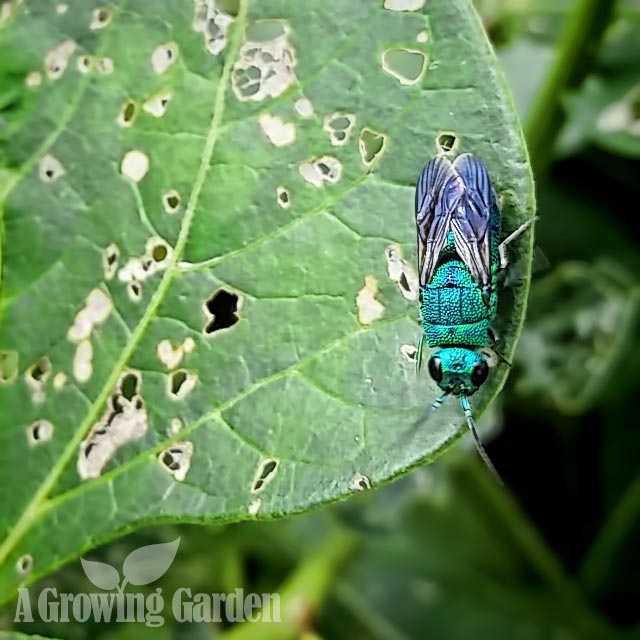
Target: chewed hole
[159,252]
[84,64]
[24,565]
[100,18]
[110,257]
[129,385]
[409,351]
[157,104]
[177,380]
[283,197]
[40,371]
[361,483]
[320,170]
[339,127]
[223,307]
[50,168]
[371,145]
[265,31]
[405,65]
[176,459]
[171,201]
[446,142]
[164,56]
[127,114]
[57,58]
[265,474]
[8,366]
[181,382]
[40,431]
[105,66]
[135,291]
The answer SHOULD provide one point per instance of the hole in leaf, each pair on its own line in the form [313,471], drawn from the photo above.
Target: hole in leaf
[361,483]
[40,370]
[100,18]
[8,366]
[105,66]
[84,64]
[129,386]
[446,142]
[128,113]
[171,201]
[24,565]
[223,306]
[176,459]
[265,474]
[135,291]
[181,382]
[232,7]
[157,104]
[405,65]
[283,198]
[159,252]
[164,56]
[409,351]
[40,431]
[110,257]
[371,145]
[177,380]
[50,168]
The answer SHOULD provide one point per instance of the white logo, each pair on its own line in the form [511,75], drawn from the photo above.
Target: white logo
[141,567]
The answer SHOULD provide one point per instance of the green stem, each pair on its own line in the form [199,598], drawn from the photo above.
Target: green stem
[576,51]
[508,516]
[302,594]
[598,561]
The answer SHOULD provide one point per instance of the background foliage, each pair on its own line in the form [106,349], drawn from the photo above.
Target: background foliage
[444,552]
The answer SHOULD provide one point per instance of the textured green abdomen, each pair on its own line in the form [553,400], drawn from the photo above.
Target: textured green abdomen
[454,311]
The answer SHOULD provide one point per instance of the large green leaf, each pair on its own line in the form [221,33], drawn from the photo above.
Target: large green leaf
[141,192]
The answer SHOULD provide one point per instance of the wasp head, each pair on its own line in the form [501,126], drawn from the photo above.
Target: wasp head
[458,370]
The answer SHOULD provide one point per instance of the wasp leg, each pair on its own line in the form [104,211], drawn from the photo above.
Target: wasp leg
[502,247]
[493,337]
[419,354]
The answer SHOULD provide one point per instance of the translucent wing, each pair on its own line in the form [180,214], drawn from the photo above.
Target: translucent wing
[439,188]
[471,218]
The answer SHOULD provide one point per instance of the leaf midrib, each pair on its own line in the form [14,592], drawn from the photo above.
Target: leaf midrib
[215,129]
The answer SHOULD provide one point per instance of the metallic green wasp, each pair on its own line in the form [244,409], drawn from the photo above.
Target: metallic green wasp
[459,257]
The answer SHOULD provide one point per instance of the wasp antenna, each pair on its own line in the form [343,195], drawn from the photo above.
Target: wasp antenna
[464,403]
[433,407]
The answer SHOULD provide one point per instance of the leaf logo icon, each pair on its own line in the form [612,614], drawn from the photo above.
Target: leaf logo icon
[147,564]
[103,575]
[141,566]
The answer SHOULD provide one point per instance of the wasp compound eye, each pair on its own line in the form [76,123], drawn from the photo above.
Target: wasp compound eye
[479,373]
[435,368]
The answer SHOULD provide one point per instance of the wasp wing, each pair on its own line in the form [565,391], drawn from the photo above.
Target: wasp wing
[438,189]
[471,219]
